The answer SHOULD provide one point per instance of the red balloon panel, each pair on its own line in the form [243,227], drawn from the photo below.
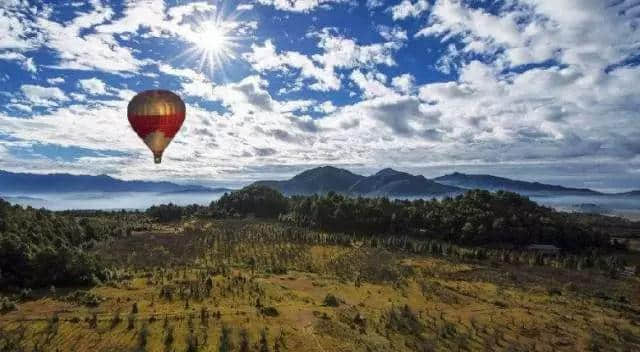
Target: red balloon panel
[167,124]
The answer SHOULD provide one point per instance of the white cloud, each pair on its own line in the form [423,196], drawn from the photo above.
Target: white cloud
[137,14]
[43,96]
[30,65]
[299,5]
[183,73]
[372,4]
[244,7]
[372,85]
[265,58]
[12,56]
[337,53]
[93,86]
[326,107]
[408,9]
[18,32]
[296,105]
[97,51]
[341,52]
[394,34]
[404,83]
[179,13]
[21,107]
[55,80]
[390,120]
[586,33]
[27,63]
[78,97]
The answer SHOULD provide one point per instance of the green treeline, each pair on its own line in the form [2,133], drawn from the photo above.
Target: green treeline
[39,248]
[474,218]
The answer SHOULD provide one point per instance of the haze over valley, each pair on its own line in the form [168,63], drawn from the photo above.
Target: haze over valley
[64,192]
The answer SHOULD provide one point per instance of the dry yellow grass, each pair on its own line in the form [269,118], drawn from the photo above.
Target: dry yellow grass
[455,306]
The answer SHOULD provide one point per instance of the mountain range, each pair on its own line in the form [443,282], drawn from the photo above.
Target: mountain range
[387,182]
[392,183]
[27,183]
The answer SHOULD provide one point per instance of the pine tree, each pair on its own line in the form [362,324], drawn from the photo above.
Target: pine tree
[225,340]
[264,344]
[244,341]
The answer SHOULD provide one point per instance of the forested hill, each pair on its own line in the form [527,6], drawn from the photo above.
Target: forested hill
[495,183]
[50,183]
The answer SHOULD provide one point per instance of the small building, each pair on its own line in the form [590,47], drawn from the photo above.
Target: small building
[543,248]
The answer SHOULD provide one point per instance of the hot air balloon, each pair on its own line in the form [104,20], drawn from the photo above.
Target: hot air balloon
[156,116]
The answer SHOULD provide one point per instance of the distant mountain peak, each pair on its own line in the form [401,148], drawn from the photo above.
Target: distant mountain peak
[389,172]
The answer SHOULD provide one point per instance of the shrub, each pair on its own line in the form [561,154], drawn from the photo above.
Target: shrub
[270,311]
[7,305]
[500,304]
[331,300]
[405,321]
[86,298]
[571,287]
[554,291]
[25,294]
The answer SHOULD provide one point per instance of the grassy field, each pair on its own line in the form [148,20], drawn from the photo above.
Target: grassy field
[251,286]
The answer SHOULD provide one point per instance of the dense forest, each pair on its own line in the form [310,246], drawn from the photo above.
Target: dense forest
[474,218]
[40,248]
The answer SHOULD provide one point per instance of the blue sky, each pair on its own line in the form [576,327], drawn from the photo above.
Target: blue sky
[535,89]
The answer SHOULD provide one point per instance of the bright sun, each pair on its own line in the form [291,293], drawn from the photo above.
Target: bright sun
[213,37]
[213,42]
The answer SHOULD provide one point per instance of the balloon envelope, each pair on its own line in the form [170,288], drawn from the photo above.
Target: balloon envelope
[156,116]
